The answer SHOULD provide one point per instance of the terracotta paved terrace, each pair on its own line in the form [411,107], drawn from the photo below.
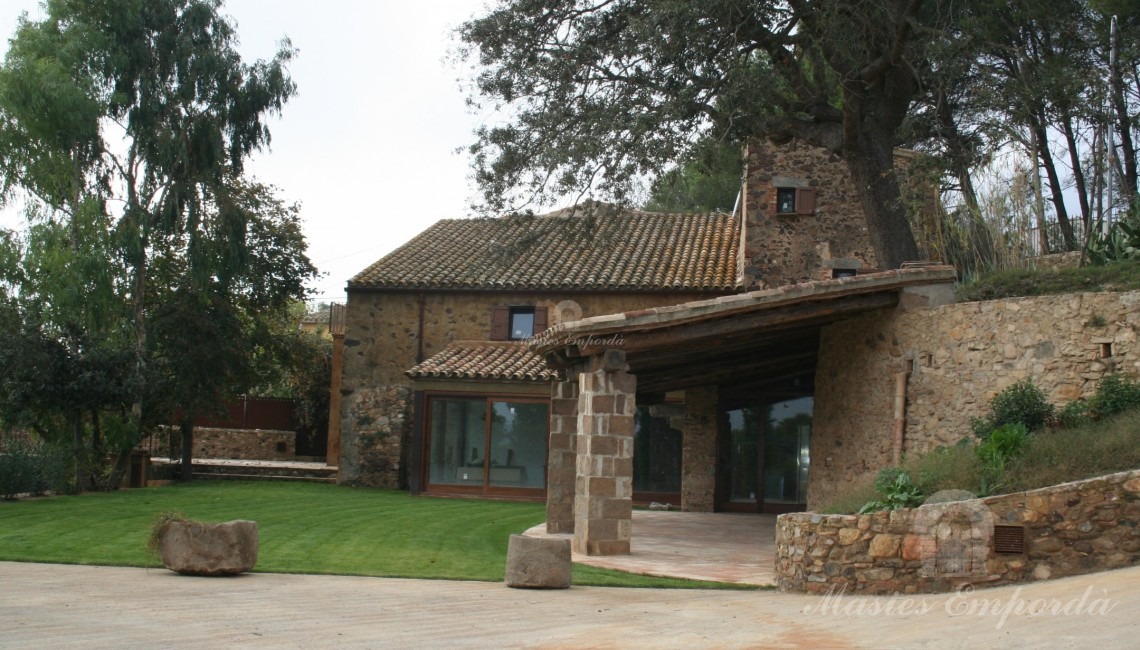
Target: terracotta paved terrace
[723,547]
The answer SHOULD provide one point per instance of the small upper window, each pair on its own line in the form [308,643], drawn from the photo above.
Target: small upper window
[517,323]
[521,323]
[786,200]
[795,200]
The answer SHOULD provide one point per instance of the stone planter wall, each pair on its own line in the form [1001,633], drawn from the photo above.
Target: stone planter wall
[1068,529]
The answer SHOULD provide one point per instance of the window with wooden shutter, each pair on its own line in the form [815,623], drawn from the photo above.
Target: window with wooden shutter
[805,200]
[500,323]
[540,320]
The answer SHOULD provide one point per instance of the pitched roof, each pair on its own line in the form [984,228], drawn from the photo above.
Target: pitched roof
[502,360]
[628,250]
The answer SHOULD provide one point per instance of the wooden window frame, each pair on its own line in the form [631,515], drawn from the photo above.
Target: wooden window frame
[501,318]
[485,490]
[803,202]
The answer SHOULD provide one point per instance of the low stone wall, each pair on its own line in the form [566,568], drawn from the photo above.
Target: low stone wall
[1068,529]
[244,444]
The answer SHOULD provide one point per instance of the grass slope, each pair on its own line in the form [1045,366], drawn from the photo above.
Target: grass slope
[304,528]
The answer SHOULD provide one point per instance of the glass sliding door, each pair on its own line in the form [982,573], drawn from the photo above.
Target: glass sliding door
[742,460]
[486,445]
[787,444]
[457,442]
[656,458]
[765,453]
[518,444]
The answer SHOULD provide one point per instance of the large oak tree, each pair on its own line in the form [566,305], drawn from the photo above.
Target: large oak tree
[602,93]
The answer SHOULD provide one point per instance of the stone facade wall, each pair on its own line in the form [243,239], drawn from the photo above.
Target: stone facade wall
[783,249]
[244,444]
[382,341]
[1069,529]
[959,357]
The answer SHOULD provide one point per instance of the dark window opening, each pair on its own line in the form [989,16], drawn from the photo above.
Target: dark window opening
[517,323]
[843,273]
[786,200]
[521,323]
[795,200]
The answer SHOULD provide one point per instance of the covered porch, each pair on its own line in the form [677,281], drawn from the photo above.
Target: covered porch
[701,355]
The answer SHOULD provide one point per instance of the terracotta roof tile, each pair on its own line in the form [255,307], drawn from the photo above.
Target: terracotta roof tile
[629,250]
[502,360]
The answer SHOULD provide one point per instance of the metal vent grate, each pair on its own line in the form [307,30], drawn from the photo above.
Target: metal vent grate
[1009,539]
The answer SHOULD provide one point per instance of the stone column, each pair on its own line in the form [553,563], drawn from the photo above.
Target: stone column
[603,503]
[332,451]
[562,458]
[698,454]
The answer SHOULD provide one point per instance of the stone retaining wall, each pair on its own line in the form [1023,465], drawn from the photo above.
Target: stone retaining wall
[244,444]
[958,357]
[1068,529]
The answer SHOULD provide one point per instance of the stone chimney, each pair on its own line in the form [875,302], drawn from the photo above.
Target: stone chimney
[802,218]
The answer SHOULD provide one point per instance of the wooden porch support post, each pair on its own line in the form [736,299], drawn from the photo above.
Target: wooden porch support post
[562,460]
[603,502]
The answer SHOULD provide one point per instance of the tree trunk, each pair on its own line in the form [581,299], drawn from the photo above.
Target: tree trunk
[869,154]
[1123,127]
[1078,174]
[1057,193]
[187,468]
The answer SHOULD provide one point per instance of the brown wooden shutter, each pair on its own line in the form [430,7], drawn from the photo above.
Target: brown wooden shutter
[805,200]
[500,323]
[540,320]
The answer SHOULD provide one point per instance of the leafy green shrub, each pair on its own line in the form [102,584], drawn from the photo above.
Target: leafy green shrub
[897,491]
[1074,414]
[1003,445]
[1115,394]
[1022,403]
[32,467]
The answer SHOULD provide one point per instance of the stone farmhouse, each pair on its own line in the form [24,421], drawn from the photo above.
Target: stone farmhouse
[754,361]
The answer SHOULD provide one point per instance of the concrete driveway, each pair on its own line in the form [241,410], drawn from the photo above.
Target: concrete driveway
[56,606]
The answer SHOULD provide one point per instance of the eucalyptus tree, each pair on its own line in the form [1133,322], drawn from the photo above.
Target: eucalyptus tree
[144,114]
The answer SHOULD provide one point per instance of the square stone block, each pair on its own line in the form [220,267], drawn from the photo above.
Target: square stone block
[538,562]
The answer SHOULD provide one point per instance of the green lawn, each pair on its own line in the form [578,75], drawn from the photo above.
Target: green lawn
[304,528]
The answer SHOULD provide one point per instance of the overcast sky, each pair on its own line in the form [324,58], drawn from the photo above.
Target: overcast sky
[368,145]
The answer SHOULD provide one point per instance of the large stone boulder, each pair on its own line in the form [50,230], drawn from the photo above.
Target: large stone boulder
[538,562]
[193,548]
[949,496]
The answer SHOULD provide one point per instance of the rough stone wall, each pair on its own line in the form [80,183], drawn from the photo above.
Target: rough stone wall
[1069,529]
[1058,261]
[783,249]
[382,341]
[962,355]
[698,452]
[244,444]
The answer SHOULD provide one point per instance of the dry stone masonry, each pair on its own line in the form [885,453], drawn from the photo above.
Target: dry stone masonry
[1065,530]
[957,358]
